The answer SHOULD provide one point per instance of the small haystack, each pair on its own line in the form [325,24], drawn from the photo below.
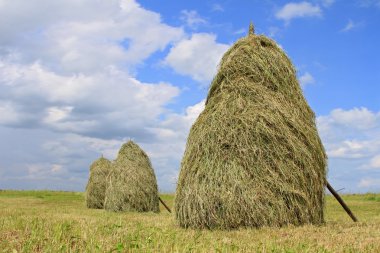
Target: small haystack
[253,157]
[132,185]
[96,186]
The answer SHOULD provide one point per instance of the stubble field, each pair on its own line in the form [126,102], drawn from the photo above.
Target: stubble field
[47,221]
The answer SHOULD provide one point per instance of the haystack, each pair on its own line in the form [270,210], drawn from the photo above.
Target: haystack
[96,186]
[132,185]
[253,157]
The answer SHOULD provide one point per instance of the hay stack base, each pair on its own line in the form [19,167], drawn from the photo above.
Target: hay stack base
[253,157]
[132,185]
[96,186]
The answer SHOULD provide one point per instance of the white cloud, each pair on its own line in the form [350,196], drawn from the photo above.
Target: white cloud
[369,182]
[298,10]
[217,7]
[349,133]
[240,31]
[187,56]
[356,118]
[55,114]
[165,151]
[56,168]
[184,121]
[273,31]
[9,114]
[327,3]
[350,149]
[306,79]
[375,162]
[369,3]
[80,36]
[351,25]
[68,93]
[192,18]
[173,131]
[352,141]
[71,103]
[192,112]
[67,146]
[44,171]
[172,134]
[67,86]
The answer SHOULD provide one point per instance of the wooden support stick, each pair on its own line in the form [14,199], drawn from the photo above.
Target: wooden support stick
[341,202]
[163,203]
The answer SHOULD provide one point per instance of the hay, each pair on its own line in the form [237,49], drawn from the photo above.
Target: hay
[96,186]
[253,157]
[132,185]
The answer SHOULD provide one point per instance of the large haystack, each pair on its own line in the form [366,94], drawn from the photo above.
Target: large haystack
[96,186]
[132,185]
[253,157]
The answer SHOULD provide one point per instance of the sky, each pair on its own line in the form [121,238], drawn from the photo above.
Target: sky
[78,78]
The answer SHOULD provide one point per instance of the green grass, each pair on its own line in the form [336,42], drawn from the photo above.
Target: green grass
[45,221]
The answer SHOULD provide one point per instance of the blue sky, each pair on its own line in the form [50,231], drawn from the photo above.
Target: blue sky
[78,78]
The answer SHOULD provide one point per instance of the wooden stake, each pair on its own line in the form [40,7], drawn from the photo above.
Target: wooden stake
[341,202]
[163,203]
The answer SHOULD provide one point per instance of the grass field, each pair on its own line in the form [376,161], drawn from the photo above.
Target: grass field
[45,221]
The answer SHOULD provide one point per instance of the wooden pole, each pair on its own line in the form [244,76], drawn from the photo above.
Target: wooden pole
[341,202]
[163,203]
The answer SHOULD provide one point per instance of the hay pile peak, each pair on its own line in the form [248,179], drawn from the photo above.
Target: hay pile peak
[132,185]
[253,157]
[131,151]
[251,30]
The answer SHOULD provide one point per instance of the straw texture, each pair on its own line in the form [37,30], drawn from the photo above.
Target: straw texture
[96,186]
[132,185]
[253,157]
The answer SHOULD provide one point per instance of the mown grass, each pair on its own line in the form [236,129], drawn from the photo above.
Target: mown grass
[45,221]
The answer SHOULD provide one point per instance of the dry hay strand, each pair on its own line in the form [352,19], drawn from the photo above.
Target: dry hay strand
[253,157]
[96,186]
[132,185]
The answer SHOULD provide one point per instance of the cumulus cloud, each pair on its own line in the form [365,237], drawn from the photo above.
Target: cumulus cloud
[351,25]
[68,93]
[172,134]
[273,31]
[352,141]
[240,31]
[327,3]
[370,183]
[369,3]
[72,103]
[351,133]
[356,118]
[217,7]
[306,79]
[69,70]
[44,171]
[192,18]
[180,123]
[298,10]
[350,149]
[67,86]
[187,56]
[61,161]
[28,164]
[80,36]
[8,113]
[375,162]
